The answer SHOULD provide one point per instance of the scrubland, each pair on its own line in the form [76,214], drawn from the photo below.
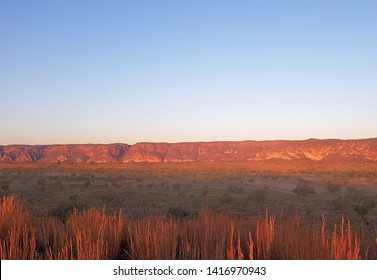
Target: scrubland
[188,211]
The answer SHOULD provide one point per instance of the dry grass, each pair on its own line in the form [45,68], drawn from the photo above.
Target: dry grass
[344,245]
[17,232]
[295,242]
[264,237]
[52,237]
[205,236]
[153,239]
[93,234]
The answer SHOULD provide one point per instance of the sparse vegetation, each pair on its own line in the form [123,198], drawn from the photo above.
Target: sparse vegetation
[176,186]
[226,198]
[303,188]
[362,202]
[65,209]
[257,196]
[204,191]
[340,204]
[365,204]
[152,195]
[178,213]
[5,185]
[333,188]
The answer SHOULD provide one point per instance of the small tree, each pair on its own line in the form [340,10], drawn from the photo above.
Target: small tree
[303,188]
[364,206]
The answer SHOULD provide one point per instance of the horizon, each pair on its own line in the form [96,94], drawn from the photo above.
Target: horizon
[125,72]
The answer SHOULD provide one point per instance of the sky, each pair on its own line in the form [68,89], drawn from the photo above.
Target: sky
[93,71]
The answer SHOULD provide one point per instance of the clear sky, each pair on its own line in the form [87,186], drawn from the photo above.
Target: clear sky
[186,70]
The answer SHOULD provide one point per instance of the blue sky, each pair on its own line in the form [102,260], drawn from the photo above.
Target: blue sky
[131,71]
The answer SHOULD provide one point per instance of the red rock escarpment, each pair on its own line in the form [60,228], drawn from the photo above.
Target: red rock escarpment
[96,153]
[312,149]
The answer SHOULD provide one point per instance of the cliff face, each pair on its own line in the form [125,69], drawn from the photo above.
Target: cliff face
[63,153]
[312,149]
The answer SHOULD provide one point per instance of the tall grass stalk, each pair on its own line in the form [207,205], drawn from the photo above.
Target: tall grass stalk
[95,234]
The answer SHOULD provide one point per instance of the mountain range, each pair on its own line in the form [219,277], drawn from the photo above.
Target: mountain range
[363,150]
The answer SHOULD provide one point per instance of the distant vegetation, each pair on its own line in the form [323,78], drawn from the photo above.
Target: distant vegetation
[303,188]
[257,196]
[333,188]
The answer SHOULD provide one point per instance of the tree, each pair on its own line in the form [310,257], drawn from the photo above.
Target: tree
[364,206]
[303,188]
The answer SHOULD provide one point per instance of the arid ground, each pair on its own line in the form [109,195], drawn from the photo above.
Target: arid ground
[243,190]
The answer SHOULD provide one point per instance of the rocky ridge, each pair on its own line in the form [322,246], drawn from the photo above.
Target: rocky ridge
[363,150]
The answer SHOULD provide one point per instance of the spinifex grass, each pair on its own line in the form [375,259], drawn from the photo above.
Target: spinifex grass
[52,238]
[93,234]
[206,236]
[293,241]
[264,237]
[153,239]
[344,245]
[17,232]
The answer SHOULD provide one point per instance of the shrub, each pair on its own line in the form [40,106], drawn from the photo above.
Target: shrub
[5,185]
[333,188]
[106,199]
[364,206]
[42,182]
[226,198]
[257,196]
[178,213]
[362,202]
[303,188]
[176,186]
[65,209]
[204,191]
[339,204]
